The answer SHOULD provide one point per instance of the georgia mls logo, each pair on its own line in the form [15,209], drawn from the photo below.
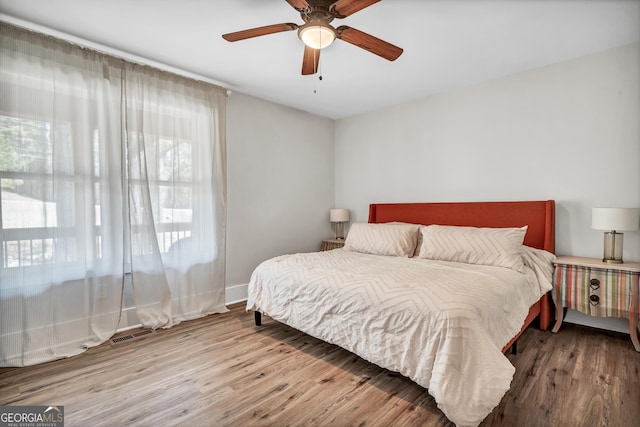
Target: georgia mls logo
[57,410]
[31,416]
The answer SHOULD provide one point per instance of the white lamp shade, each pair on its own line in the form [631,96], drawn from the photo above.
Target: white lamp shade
[615,218]
[339,215]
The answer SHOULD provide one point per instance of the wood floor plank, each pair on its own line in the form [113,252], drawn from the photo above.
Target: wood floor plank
[224,371]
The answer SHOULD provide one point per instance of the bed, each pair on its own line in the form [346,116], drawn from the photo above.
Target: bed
[441,320]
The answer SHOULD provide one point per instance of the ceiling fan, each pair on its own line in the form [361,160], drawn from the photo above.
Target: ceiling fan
[317,33]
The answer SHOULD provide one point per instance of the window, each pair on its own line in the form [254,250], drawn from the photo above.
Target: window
[28,215]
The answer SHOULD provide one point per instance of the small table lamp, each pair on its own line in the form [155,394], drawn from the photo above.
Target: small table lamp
[339,216]
[614,219]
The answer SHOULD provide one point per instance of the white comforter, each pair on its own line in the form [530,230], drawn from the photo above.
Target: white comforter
[442,324]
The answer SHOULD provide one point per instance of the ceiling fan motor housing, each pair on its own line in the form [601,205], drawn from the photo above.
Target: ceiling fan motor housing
[317,12]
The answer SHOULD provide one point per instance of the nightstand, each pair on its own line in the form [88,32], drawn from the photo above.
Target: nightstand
[329,244]
[598,289]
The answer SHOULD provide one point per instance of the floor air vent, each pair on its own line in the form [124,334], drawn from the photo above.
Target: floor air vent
[131,336]
[122,338]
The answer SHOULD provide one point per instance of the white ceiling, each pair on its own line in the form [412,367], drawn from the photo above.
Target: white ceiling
[447,43]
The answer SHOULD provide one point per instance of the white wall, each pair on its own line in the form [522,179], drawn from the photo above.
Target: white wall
[542,134]
[568,131]
[280,183]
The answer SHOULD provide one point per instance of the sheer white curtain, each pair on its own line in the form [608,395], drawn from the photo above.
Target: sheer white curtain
[175,133]
[95,184]
[61,273]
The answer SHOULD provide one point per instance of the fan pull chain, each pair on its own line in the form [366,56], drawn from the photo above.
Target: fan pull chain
[319,71]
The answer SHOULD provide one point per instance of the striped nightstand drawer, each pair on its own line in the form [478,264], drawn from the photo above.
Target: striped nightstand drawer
[594,291]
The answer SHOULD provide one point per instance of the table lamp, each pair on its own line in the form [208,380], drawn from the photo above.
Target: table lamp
[339,216]
[614,219]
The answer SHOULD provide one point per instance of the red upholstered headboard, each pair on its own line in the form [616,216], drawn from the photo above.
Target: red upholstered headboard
[538,215]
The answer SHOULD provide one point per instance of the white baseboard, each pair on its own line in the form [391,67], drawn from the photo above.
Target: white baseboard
[233,294]
[236,293]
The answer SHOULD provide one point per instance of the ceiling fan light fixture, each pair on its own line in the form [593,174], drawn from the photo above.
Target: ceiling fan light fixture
[317,36]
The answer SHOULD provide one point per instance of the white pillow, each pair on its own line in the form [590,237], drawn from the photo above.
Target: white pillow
[416,253]
[488,246]
[383,239]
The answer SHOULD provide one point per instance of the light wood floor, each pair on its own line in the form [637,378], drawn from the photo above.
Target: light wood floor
[224,371]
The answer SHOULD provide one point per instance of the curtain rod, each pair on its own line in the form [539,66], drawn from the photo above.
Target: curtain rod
[109,50]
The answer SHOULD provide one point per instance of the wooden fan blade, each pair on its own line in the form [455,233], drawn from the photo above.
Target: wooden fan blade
[310,60]
[344,8]
[369,42]
[298,4]
[260,31]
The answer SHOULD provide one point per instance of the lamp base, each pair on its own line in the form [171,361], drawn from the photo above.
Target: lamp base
[613,247]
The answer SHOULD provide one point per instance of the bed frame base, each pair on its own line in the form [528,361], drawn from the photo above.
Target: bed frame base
[258,318]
